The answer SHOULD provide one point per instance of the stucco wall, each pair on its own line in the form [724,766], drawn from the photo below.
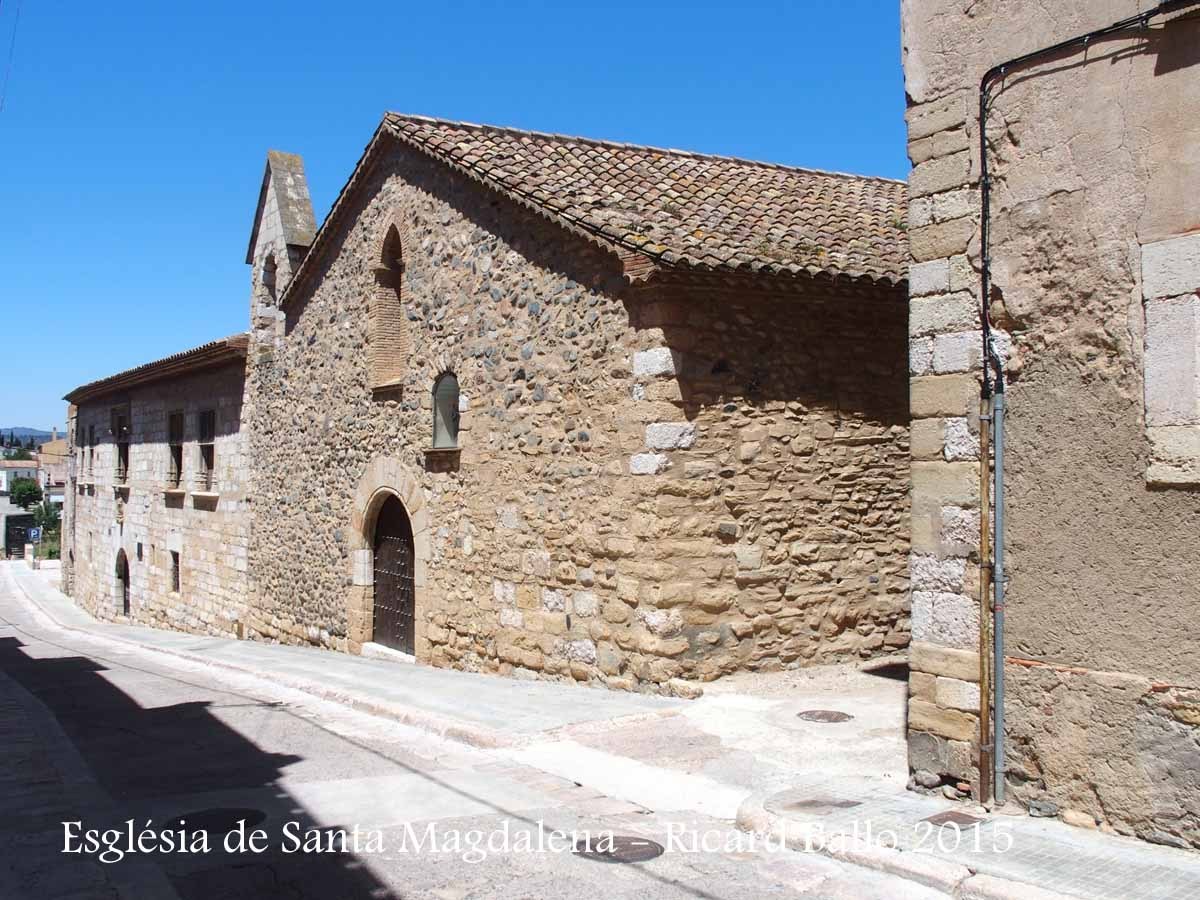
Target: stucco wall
[652,485]
[210,533]
[1093,156]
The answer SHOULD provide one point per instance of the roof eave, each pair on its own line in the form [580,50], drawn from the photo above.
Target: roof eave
[207,356]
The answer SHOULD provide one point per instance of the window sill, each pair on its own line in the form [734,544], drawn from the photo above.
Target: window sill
[388,388]
[174,491]
[442,451]
[205,495]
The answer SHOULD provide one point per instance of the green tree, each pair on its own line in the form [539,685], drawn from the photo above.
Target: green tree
[45,516]
[20,454]
[25,491]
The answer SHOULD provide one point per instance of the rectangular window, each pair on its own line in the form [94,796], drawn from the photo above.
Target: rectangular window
[91,451]
[207,428]
[175,571]
[175,444]
[120,432]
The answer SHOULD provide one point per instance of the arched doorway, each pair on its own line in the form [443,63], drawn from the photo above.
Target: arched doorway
[123,581]
[394,618]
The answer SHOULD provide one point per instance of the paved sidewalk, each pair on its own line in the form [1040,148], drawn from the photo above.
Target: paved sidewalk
[482,710]
[740,753]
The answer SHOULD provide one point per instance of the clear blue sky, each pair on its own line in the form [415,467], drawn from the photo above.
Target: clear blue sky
[133,135]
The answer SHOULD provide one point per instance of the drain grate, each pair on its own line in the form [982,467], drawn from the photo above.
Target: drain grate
[218,820]
[953,817]
[618,848]
[824,715]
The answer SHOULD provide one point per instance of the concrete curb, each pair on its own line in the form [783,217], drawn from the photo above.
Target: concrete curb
[451,729]
[951,878]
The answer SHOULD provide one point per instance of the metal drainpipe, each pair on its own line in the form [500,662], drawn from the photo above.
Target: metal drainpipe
[998,588]
[985,597]
[991,360]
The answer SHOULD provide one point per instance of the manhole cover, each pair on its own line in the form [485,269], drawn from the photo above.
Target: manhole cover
[618,848]
[808,805]
[798,800]
[220,820]
[952,817]
[824,715]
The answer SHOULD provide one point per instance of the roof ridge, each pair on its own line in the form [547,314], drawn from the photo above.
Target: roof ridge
[625,145]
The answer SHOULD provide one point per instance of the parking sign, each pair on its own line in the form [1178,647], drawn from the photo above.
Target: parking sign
[35,535]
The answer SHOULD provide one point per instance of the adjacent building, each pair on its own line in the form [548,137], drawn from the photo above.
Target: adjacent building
[536,405]
[1093,153]
[156,525]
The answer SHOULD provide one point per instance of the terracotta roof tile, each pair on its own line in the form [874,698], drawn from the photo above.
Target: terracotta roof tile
[218,352]
[685,209]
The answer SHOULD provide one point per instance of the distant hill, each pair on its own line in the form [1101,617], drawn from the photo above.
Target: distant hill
[24,434]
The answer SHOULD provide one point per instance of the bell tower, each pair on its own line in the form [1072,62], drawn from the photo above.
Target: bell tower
[283,231]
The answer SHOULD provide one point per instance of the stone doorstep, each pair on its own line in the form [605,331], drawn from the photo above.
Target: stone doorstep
[953,879]
[372,650]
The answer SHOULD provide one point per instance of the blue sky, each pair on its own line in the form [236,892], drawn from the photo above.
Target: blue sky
[133,135]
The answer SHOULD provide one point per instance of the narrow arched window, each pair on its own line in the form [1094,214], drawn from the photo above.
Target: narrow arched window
[445,411]
[269,273]
[387,328]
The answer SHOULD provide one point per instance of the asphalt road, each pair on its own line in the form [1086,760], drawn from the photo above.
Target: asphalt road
[100,734]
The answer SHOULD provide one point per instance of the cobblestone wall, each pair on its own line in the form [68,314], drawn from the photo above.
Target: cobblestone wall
[208,529]
[652,485]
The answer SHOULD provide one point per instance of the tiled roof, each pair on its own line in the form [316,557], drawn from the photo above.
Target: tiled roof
[684,209]
[18,464]
[226,350]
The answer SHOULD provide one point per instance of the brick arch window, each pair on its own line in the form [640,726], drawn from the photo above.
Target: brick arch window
[445,411]
[388,343]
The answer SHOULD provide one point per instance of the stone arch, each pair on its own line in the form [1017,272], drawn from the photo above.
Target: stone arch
[389,345]
[122,582]
[385,477]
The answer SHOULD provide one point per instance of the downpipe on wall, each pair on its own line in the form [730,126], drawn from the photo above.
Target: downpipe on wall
[993,396]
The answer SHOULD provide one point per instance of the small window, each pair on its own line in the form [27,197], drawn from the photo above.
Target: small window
[175,571]
[207,428]
[445,412]
[91,457]
[120,431]
[269,275]
[175,445]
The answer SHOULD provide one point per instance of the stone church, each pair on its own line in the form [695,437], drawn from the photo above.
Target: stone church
[528,404]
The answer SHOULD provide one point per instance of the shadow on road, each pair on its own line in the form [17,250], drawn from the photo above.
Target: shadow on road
[142,754]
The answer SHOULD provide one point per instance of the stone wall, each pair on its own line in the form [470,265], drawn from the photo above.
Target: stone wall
[208,529]
[659,484]
[1094,156]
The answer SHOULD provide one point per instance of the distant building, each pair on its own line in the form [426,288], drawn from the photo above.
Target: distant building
[52,468]
[12,469]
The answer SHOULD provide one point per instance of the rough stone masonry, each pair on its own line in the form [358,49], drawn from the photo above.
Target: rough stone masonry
[660,479]
[1094,159]
[678,446]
